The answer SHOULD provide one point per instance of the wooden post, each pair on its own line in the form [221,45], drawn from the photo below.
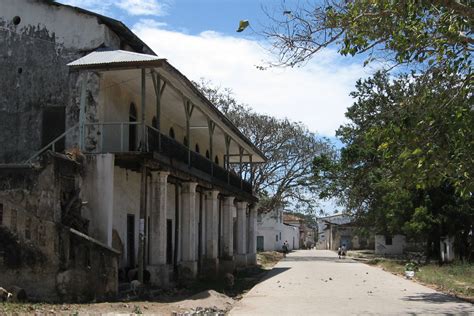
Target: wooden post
[143,99]
[241,152]
[141,229]
[82,111]
[188,109]
[212,127]
[158,92]
[227,148]
[251,171]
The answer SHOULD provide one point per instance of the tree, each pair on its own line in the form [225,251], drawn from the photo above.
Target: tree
[421,32]
[289,147]
[407,163]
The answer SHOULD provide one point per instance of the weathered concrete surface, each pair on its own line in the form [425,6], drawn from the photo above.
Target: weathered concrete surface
[310,282]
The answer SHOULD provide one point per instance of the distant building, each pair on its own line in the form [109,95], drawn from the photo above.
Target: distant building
[337,230]
[390,245]
[307,233]
[272,232]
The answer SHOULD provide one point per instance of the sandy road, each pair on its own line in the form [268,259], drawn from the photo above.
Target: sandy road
[316,282]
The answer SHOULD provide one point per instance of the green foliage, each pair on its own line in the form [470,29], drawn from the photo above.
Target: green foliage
[426,33]
[407,164]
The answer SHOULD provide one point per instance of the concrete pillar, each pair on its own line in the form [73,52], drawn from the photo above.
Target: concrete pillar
[227,260]
[211,214]
[159,207]
[241,257]
[252,235]
[188,265]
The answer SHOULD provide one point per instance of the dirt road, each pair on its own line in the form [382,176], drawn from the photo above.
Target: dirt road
[316,282]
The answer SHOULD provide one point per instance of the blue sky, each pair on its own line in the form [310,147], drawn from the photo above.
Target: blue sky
[200,39]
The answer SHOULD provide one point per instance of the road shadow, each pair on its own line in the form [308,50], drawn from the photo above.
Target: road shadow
[317,258]
[273,272]
[435,298]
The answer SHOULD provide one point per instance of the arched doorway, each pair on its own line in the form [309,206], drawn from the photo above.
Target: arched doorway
[132,128]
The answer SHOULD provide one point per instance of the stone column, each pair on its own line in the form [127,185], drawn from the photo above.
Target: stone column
[227,260]
[211,215]
[241,257]
[188,265]
[252,251]
[159,206]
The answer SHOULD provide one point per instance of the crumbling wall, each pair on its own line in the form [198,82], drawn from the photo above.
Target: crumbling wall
[38,252]
[37,40]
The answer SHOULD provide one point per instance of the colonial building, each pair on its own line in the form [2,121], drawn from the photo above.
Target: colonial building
[337,230]
[112,159]
[306,232]
[272,232]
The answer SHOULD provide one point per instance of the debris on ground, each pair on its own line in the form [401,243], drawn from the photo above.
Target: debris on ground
[210,300]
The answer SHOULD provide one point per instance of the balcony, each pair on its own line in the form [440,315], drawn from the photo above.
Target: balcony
[113,137]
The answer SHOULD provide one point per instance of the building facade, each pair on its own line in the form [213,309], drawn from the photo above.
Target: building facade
[306,232]
[120,151]
[272,232]
[337,230]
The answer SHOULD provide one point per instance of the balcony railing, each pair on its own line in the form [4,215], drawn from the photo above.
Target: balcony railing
[114,137]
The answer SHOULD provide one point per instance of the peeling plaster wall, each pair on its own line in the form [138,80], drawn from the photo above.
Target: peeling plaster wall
[126,201]
[99,193]
[38,252]
[33,58]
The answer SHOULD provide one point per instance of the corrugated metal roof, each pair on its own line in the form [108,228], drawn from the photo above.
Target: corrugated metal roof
[101,59]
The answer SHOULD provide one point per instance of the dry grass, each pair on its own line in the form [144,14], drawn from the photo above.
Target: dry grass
[456,278]
[268,259]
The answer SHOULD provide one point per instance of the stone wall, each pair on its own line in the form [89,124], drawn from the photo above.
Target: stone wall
[38,252]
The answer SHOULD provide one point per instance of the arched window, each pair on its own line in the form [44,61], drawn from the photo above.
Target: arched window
[171,133]
[153,122]
[216,160]
[207,154]
[132,128]
[185,141]
[197,148]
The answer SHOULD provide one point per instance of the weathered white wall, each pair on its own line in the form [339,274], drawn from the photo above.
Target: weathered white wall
[270,225]
[70,28]
[291,234]
[98,191]
[397,247]
[126,201]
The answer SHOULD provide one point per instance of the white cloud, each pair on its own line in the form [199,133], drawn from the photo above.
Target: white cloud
[131,7]
[316,94]
[142,7]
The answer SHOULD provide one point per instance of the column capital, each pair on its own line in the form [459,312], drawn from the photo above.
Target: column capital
[229,200]
[242,205]
[189,187]
[212,194]
[163,173]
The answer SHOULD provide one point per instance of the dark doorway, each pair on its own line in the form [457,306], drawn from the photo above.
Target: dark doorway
[54,124]
[131,240]
[169,241]
[260,243]
[132,128]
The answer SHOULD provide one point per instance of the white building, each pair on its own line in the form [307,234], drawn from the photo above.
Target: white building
[272,232]
[157,181]
[390,245]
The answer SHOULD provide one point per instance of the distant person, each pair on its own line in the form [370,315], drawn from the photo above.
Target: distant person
[285,247]
[341,251]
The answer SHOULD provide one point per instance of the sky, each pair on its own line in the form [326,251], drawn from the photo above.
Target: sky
[200,39]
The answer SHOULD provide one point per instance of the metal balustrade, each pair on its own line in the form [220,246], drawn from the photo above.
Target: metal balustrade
[114,137]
